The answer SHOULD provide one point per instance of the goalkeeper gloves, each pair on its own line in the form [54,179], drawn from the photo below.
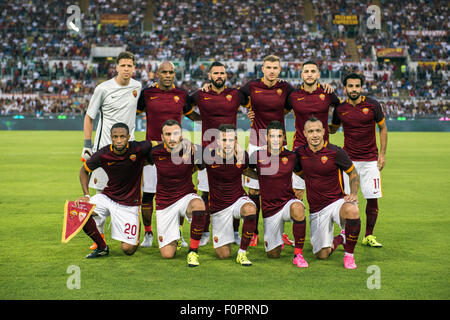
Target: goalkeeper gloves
[87,150]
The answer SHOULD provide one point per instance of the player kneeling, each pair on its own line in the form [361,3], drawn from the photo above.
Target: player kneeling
[122,161]
[175,193]
[225,162]
[321,164]
[274,165]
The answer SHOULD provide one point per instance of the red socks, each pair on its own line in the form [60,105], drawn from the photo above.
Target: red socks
[90,228]
[197,226]
[248,228]
[352,229]
[299,230]
[256,200]
[371,215]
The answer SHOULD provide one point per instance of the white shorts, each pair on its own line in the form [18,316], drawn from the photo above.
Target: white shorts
[274,226]
[168,219]
[369,179]
[246,181]
[202,177]
[222,222]
[297,182]
[149,179]
[322,227]
[99,179]
[125,221]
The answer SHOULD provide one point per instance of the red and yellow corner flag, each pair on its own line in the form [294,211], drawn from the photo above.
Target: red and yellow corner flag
[75,218]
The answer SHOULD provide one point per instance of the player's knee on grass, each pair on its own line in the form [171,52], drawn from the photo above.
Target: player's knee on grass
[128,249]
[223,252]
[323,254]
[253,192]
[274,253]
[349,211]
[297,211]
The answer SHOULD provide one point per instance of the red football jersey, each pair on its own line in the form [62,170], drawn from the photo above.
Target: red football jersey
[124,171]
[174,180]
[306,104]
[224,179]
[268,104]
[160,105]
[275,179]
[322,171]
[216,109]
[358,123]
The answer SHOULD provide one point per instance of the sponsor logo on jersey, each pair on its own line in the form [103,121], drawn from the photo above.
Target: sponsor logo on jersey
[207,98]
[133,157]
[365,110]
[162,158]
[344,113]
[151,98]
[215,166]
[258,91]
[299,99]
[229,97]
[322,96]
[135,93]
[324,159]
[111,163]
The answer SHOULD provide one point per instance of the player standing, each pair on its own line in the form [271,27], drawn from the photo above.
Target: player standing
[310,99]
[274,166]
[217,105]
[175,194]
[160,103]
[116,101]
[321,165]
[122,162]
[359,116]
[225,164]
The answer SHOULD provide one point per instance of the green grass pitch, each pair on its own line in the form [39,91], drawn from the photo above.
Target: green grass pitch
[39,171]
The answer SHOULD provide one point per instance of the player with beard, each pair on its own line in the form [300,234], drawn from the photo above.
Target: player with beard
[309,100]
[175,193]
[160,102]
[359,116]
[218,105]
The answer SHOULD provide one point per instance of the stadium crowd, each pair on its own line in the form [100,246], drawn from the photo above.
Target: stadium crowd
[39,56]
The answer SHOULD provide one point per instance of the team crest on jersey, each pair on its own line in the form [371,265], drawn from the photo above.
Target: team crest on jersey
[216,239]
[365,110]
[133,157]
[322,96]
[229,97]
[176,98]
[324,159]
[284,160]
[238,165]
[135,93]
[160,238]
[279,92]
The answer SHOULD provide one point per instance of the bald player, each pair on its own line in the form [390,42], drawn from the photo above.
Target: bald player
[321,165]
